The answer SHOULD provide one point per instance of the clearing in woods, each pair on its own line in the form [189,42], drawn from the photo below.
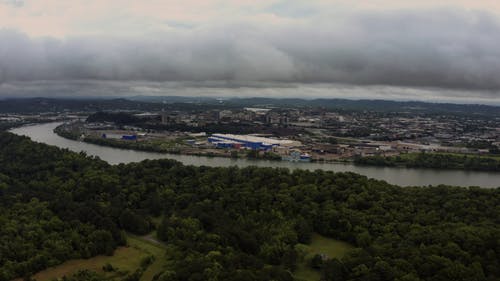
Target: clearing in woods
[319,245]
[125,260]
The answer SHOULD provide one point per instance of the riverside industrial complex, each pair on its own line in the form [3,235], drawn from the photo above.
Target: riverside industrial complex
[249,141]
[283,147]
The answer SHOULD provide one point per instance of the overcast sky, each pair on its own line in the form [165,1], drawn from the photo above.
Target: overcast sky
[391,49]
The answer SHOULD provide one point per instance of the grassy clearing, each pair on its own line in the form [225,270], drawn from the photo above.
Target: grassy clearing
[152,248]
[125,260]
[319,245]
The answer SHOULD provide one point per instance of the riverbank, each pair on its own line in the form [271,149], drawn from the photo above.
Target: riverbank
[435,160]
[171,147]
[6,126]
[399,176]
[443,161]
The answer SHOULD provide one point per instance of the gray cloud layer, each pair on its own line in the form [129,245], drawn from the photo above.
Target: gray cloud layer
[432,48]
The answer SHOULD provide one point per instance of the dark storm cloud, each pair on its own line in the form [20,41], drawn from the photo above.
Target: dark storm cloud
[432,48]
[15,3]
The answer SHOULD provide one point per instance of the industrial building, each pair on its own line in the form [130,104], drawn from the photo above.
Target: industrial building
[118,136]
[297,156]
[248,141]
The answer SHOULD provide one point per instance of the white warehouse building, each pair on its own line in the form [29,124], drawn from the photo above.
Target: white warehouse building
[254,142]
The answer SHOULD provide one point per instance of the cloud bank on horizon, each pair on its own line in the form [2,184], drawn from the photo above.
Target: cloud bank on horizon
[451,46]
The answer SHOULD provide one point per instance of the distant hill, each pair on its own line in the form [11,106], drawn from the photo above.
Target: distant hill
[371,105]
[35,105]
[153,103]
[57,105]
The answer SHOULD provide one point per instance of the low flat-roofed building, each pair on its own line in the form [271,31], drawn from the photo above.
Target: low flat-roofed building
[255,142]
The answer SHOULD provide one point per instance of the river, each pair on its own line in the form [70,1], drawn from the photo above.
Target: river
[401,176]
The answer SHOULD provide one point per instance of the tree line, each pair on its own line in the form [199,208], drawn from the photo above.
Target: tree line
[435,161]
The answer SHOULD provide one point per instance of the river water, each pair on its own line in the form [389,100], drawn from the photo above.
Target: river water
[401,176]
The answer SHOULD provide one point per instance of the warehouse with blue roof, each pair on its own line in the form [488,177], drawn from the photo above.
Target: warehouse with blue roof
[248,141]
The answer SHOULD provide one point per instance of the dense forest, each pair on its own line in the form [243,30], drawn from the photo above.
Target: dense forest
[237,224]
[435,160]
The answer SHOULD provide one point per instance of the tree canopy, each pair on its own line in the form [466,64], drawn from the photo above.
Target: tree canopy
[237,223]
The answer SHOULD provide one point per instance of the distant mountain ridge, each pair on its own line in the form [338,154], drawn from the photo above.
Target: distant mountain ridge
[153,103]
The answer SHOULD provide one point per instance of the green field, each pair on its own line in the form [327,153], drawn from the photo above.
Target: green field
[319,245]
[124,260]
[127,259]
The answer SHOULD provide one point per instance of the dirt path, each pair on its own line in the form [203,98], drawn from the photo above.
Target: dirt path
[151,238]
